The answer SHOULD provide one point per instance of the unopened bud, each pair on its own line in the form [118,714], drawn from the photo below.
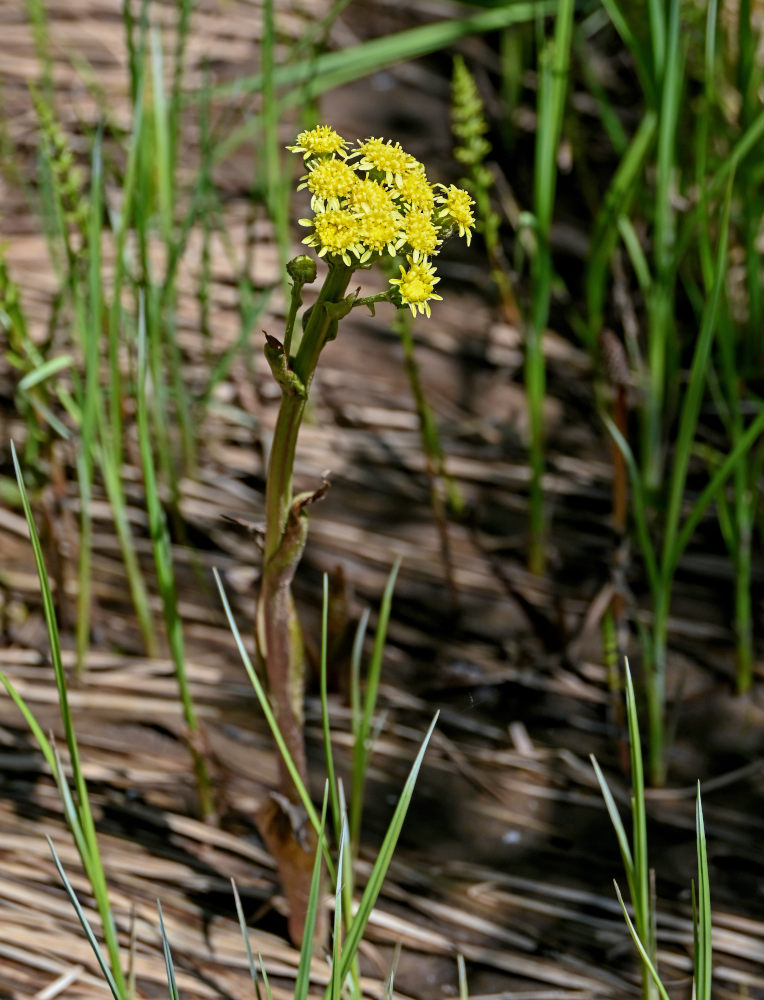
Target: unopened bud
[302,269]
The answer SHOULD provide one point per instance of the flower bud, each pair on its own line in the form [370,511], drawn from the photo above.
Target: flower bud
[302,269]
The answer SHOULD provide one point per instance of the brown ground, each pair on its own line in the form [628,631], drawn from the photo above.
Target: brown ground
[507,856]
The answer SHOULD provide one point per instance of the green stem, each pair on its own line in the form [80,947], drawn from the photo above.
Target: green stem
[278,631]
[371,300]
[278,490]
[656,686]
[294,305]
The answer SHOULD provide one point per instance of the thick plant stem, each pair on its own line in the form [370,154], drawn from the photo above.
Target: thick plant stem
[279,637]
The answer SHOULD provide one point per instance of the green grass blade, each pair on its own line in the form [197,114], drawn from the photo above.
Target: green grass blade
[310,78]
[382,863]
[182,30]
[91,859]
[693,396]
[138,590]
[355,674]
[50,753]
[159,322]
[325,722]
[31,721]
[302,982]
[89,319]
[641,948]
[637,255]
[553,82]
[636,47]
[656,17]
[361,749]
[661,332]
[464,993]
[116,991]
[128,22]
[640,901]
[84,467]
[695,940]
[379,53]
[672,59]
[264,975]
[702,143]
[172,986]
[336,981]
[247,945]
[45,371]
[703,952]
[552,90]
[125,219]
[639,505]
[53,634]
[70,811]
[162,159]
[353,981]
[615,819]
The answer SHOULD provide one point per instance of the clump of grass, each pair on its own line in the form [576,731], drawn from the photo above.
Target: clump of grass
[75,800]
[634,854]
[640,879]
[684,188]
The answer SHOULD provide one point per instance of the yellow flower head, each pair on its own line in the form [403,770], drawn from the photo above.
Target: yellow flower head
[319,141]
[416,191]
[416,285]
[386,158]
[379,230]
[334,231]
[370,196]
[457,209]
[421,234]
[377,201]
[328,181]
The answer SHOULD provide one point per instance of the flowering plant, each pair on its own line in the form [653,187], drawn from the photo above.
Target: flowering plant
[369,204]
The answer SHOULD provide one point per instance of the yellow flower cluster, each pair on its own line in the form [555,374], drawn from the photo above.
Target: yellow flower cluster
[376,200]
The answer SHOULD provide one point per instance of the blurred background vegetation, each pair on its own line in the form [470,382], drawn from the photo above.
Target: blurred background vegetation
[567,456]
